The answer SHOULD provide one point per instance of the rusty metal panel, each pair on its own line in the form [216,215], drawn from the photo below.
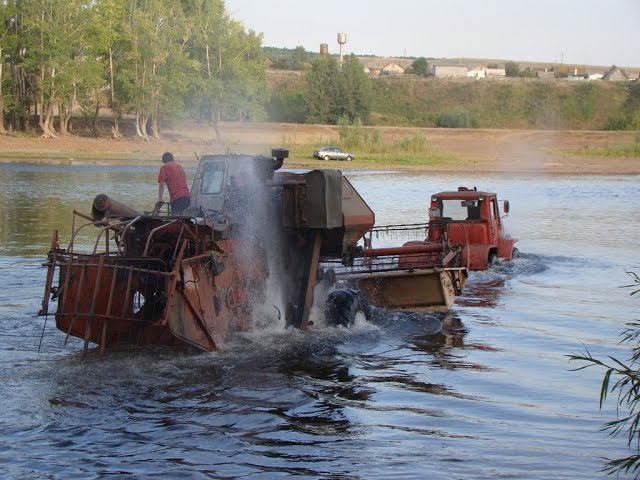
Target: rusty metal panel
[408,290]
[358,218]
[323,203]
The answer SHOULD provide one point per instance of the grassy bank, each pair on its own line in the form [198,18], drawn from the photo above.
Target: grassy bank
[629,150]
[438,149]
[372,146]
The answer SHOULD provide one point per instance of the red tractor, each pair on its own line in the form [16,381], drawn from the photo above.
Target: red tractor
[470,220]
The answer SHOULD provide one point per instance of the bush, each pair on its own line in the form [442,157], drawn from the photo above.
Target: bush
[618,121]
[512,69]
[420,66]
[351,134]
[582,105]
[458,118]
[414,144]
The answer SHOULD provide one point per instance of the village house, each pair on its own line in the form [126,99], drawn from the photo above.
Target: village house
[449,71]
[614,74]
[392,69]
[479,71]
[594,75]
[546,74]
[495,72]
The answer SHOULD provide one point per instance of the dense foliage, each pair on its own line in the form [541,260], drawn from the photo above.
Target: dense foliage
[420,66]
[153,59]
[333,92]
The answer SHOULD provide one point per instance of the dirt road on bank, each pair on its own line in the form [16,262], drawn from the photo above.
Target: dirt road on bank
[479,150]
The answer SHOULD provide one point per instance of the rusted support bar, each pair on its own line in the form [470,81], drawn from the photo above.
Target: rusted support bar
[125,305]
[82,215]
[450,256]
[50,273]
[152,233]
[103,339]
[311,280]
[92,308]
[102,315]
[136,269]
[83,274]
[66,281]
[110,226]
[175,250]
[197,258]
[409,250]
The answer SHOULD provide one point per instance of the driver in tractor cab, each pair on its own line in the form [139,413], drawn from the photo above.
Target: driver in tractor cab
[172,175]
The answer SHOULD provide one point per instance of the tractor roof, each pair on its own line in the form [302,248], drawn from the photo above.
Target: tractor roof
[462,195]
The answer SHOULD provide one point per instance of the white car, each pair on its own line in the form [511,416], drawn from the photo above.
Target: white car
[333,153]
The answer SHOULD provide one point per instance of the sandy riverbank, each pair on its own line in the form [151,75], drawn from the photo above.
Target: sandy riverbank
[476,150]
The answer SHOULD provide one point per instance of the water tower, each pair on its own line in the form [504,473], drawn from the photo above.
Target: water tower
[342,39]
[324,49]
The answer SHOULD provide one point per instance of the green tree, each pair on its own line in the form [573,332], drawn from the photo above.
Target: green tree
[420,66]
[354,93]
[512,69]
[229,66]
[54,33]
[298,58]
[108,43]
[8,39]
[322,91]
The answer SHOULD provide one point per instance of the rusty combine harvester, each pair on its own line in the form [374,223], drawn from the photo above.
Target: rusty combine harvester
[152,279]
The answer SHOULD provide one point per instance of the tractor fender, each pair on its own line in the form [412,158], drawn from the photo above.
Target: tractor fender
[505,248]
[477,256]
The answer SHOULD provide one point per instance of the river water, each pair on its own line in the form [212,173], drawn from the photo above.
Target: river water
[387,399]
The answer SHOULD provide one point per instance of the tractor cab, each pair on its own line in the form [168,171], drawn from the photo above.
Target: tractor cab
[471,219]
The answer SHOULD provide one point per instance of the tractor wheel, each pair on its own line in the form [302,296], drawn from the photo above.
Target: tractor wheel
[348,159]
[342,306]
[326,158]
[515,253]
[493,259]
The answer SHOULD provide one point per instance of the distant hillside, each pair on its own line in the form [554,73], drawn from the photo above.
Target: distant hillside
[517,103]
[375,61]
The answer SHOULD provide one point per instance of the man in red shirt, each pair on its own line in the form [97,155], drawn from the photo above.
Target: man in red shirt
[172,174]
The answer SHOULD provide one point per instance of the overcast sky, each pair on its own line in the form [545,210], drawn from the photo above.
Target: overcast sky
[601,32]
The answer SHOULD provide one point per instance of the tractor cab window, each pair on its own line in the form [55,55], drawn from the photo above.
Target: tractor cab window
[213,178]
[458,210]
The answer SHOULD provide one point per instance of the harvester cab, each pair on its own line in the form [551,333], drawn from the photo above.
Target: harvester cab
[471,219]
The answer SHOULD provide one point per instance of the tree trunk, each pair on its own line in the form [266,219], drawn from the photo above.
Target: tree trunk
[42,106]
[94,120]
[2,129]
[141,126]
[62,124]
[138,131]
[115,129]
[67,121]
[215,119]
[47,128]
[155,131]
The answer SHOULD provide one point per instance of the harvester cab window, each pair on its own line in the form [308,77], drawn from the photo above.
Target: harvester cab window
[213,178]
[459,210]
